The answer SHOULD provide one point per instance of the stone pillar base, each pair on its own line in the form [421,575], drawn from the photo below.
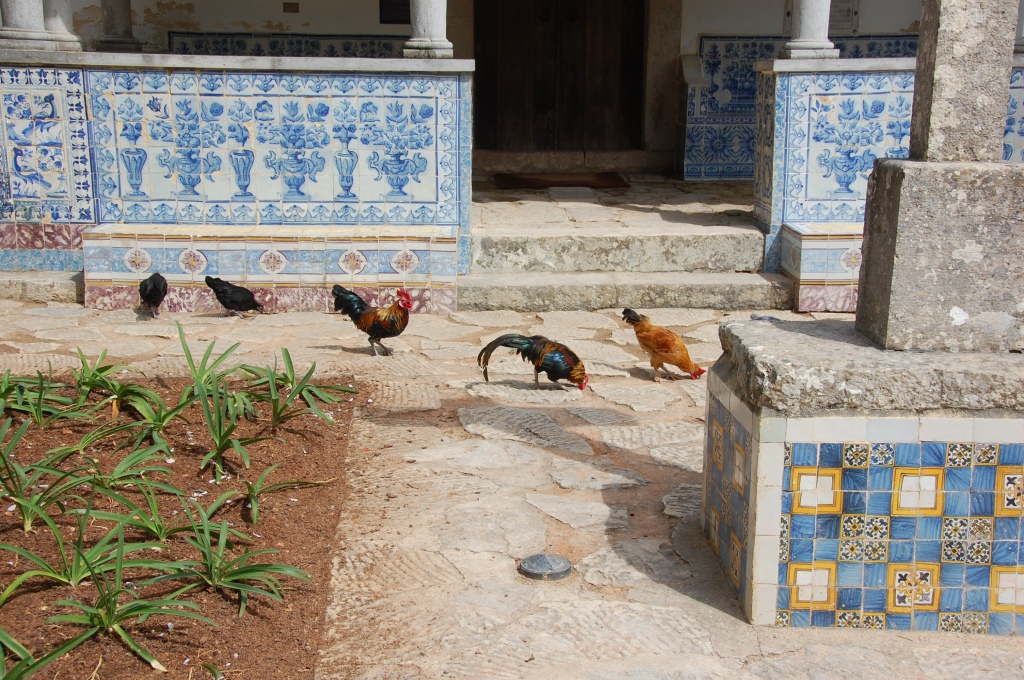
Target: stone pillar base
[17,39]
[845,487]
[810,53]
[428,49]
[955,229]
[116,44]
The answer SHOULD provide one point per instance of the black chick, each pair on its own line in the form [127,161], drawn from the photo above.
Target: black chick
[152,292]
[234,298]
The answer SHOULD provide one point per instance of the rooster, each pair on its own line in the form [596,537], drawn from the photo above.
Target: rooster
[376,323]
[553,358]
[664,346]
[152,292]
[235,299]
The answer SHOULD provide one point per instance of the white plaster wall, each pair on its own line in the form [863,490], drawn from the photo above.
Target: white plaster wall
[765,17]
[153,18]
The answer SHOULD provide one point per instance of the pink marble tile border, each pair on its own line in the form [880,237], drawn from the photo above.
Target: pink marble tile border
[435,300]
[8,237]
[812,298]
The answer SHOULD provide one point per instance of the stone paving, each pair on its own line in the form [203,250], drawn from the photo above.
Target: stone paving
[456,479]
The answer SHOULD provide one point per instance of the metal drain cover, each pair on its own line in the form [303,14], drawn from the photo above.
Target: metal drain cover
[545,567]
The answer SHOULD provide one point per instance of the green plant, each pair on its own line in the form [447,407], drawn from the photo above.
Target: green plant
[27,665]
[205,373]
[12,391]
[74,563]
[89,440]
[221,421]
[281,407]
[45,406]
[24,485]
[217,569]
[147,517]
[87,377]
[214,671]
[259,488]
[109,614]
[288,379]
[132,469]
[154,416]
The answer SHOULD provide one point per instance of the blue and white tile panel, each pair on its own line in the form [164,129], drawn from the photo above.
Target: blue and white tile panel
[887,523]
[824,260]
[721,114]
[286,44]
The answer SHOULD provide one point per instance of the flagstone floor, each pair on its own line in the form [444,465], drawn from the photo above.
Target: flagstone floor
[456,479]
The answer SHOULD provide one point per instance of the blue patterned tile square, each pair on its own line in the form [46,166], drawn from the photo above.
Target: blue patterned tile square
[1007,529]
[802,526]
[880,478]
[928,551]
[823,619]
[850,574]
[850,598]
[827,526]
[901,551]
[830,455]
[855,479]
[903,528]
[1018,624]
[926,621]
[787,478]
[783,578]
[799,619]
[976,599]
[1004,553]
[804,454]
[951,574]
[1000,624]
[982,504]
[951,599]
[984,478]
[826,549]
[958,479]
[1011,454]
[933,454]
[908,455]
[879,502]
[73,260]
[977,576]
[956,504]
[854,502]
[787,502]
[874,600]
[898,621]
[929,528]
[875,576]
[782,598]
[801,550]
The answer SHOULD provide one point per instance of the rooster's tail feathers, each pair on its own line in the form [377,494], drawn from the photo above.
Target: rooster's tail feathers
[631,317]
[518,342]
[347,302]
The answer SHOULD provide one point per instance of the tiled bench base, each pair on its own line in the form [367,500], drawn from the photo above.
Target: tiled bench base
[863,522]
[824,260]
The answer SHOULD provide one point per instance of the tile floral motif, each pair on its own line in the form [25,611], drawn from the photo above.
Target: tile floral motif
[873,621]
[882,454]
[848,620]
[959,455]
[46,167]
[853,526]
[955,528]
[782,619]
[986,454]
[913,587]
[855,455]
[876,551]
[975,623]
[877,527]
[951,623]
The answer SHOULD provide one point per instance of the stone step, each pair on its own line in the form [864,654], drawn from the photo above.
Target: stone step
[618,247]
[592,291]
[42,286]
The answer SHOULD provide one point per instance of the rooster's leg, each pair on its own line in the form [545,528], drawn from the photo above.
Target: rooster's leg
[373,346]
[536,380]
[657,371]
[387,352]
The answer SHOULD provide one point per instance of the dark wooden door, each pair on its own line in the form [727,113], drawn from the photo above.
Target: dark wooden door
[559,75]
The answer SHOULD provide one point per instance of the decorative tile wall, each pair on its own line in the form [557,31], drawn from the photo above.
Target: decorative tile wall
[888,523]
[286,44]
[824,260]
[815,151]
[720,118]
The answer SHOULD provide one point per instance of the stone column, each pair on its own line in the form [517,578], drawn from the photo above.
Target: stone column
[117,28]
[429,22]
[943,231]
[810,32]
[37,25]
[1019,45]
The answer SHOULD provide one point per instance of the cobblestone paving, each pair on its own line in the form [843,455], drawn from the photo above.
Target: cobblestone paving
[458,478]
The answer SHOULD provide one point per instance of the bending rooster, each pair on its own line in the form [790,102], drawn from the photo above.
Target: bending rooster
[152,292]
[376,323]
[664,346]
[553,358]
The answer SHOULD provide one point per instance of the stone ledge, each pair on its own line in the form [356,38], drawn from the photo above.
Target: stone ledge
[807,368]
[42,286]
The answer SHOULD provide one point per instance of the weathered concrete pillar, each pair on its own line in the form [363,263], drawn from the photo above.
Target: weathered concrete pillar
[117,28]
[37,25]
[1019,45]
[810,32]
[429,27]
[942,239]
